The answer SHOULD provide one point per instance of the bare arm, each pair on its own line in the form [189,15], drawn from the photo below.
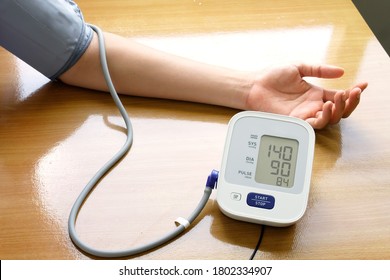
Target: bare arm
[142,71]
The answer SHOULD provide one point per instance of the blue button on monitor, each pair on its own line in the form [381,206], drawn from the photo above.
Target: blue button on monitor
[260,200]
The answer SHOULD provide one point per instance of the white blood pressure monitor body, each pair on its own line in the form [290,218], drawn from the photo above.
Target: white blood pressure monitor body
[266,168]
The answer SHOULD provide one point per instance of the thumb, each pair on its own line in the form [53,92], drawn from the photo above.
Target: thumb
[320,71]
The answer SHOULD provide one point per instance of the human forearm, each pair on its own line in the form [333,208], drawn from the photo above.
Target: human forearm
[139,70]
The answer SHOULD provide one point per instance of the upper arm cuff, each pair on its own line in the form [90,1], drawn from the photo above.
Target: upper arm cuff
[48,35]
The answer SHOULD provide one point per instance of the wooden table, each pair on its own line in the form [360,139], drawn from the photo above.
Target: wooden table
[54,137]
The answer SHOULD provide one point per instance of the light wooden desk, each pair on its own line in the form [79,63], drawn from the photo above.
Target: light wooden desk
[54,137]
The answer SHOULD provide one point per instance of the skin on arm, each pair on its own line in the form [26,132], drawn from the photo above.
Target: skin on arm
[142,71]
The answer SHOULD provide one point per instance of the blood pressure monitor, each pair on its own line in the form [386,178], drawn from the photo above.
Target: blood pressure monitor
[266,168]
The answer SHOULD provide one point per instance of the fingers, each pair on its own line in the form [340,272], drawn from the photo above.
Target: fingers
[323,117]
[337,103]
[362,86]
[320,71]
[352,102]
[354,98]
[338,107]
[345,102]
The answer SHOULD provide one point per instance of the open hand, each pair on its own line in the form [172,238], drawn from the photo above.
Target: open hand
[283,90]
